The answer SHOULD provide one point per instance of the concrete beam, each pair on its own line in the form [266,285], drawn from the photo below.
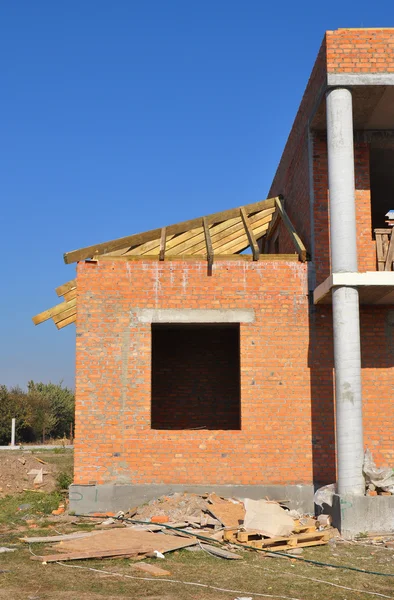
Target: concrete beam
[351,79]
[382,279]
[191,315]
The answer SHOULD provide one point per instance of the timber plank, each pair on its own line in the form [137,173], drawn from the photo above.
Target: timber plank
[70,295]
[55,310]
[64,314]
[92,554]
[66,287]
[220,552]
[58,538]
[379,252]
[232,229]
[181,244]
[390,255]
[71,319]
[151,569]
[193,257]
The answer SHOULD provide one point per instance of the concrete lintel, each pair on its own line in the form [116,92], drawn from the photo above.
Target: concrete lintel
[191,315]
[85,499]
[351,79]
[369,279]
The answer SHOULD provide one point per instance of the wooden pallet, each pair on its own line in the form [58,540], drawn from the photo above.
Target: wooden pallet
[299,540]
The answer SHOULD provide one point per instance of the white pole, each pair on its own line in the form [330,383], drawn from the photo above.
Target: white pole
[13,432]
[345,301]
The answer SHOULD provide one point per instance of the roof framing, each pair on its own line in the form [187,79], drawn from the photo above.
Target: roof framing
[139,239]
[218,236]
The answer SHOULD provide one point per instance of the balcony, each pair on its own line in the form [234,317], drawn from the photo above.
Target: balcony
[375,288]
[384,249]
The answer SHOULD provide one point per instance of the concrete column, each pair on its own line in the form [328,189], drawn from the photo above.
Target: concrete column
[345,302]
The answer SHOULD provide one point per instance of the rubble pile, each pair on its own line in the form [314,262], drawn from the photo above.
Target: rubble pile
[205,522]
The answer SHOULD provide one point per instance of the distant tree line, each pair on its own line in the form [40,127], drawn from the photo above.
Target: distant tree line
[45,410]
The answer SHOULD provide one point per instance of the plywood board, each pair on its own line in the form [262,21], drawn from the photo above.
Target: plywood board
[127,538]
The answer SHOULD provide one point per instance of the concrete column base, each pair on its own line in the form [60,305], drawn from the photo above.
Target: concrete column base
[85,499]
[353,515]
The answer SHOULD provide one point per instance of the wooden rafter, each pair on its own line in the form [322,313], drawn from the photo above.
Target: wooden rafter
[162,244]
[299,246]
[250,235]
[208,242]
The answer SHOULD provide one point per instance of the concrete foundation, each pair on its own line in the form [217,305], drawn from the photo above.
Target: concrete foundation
[353,515]
[85,499]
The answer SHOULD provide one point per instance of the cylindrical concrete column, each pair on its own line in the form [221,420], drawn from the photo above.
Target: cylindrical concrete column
[345,301]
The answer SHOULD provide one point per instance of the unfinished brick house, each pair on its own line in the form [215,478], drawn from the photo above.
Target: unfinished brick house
[201,367]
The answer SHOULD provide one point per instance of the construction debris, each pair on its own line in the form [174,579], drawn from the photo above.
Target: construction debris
[220,552]
[377,480]
[229,512]
[277,543]
[169,523]
[151,569]
[117,542]
[267,518]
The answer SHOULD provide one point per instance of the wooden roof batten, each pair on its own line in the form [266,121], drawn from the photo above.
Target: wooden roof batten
[219,236]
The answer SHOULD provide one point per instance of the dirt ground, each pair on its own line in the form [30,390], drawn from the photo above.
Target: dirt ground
[194,574]
[16,464]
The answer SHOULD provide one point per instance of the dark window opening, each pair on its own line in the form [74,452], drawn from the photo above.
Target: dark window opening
[382,184]
[195,377]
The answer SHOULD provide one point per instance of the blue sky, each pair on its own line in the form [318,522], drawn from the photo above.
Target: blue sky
[122,116]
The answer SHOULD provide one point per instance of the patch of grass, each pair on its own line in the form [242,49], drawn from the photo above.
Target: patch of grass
[63,480]
[37,504]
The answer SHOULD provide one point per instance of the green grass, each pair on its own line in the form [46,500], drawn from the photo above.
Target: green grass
[40,504]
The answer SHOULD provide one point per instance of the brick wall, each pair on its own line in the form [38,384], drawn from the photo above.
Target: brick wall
[287,431]
[360,51]
[292,176]
[114,440]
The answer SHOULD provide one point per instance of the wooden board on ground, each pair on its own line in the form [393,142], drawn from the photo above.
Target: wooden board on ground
[120,552]
[151,569]
[220,552]
[58,538]
[225,511]
[124,538]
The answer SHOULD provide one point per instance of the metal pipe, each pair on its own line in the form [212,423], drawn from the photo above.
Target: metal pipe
[12,432]
[345,301]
